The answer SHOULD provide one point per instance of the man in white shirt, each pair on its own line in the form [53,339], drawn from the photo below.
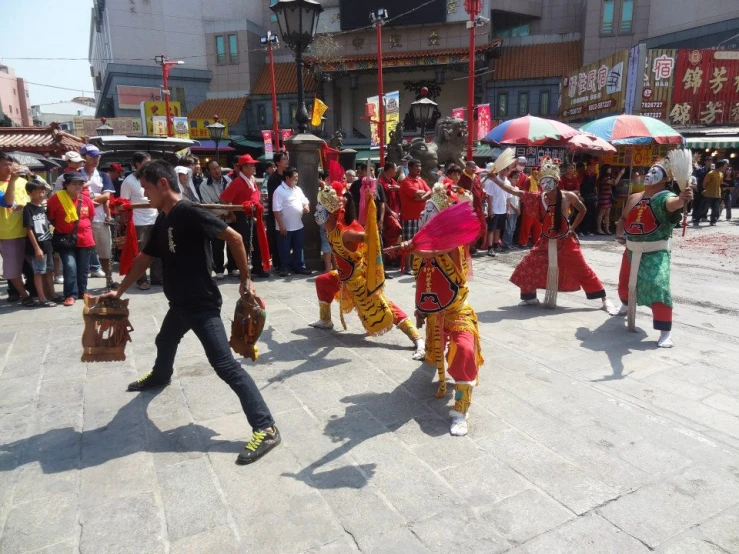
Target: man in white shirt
[289,204]
[143,219]
[497,210]
[101,190]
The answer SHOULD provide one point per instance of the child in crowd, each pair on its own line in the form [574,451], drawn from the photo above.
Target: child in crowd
[514,210]
[38,246]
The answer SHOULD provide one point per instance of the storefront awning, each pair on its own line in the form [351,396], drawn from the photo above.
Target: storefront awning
[712,142]
[210,146]
[367,155]
[246,143]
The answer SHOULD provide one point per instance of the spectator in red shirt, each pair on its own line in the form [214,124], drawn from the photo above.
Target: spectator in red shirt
[470,181]
[392,189]
[75,260]
[523,179]
[413,195]
[570,180]
[244,189]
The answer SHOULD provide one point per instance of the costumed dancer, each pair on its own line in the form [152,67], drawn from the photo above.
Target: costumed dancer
[451,323]
[350,282]
[555,263]
[646,228]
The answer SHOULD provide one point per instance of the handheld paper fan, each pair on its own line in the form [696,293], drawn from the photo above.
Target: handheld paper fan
[506,159]
[681,165]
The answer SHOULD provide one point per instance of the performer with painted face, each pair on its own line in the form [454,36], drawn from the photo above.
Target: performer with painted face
[451,323]
[348,283]
[555,263]
[646,228]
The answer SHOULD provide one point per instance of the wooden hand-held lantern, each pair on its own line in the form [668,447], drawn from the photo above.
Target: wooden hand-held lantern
[107,330]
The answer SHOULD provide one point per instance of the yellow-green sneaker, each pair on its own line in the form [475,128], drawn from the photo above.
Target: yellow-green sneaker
[147,382]
[261,442]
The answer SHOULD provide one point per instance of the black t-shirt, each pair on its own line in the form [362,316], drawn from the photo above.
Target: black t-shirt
[274,181]
[182,240]
[588,186]
[34,217]
[380,198]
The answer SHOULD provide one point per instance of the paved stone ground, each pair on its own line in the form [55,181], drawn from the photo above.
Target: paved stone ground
[584,437]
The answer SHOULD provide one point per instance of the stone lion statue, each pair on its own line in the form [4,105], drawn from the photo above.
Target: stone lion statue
[426,152]
[395,150]
[450,135]
[337,140]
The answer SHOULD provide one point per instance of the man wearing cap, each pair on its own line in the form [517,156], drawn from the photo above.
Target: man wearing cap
[244,189]
[100,190]
[143,218]
[523,179]
[115,172]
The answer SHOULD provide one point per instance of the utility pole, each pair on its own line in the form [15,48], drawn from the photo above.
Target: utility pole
[473,8]
[166,66]
[271,41]
[378,19]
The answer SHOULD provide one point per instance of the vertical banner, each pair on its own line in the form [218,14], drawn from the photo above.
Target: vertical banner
[659,72]
[284,135]
[319,108]
[268,149]
[372,109]
[392,113]
[459,113]
[484,121]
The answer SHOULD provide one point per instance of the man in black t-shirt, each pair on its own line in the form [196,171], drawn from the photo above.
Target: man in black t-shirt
[275,180]
[181,237]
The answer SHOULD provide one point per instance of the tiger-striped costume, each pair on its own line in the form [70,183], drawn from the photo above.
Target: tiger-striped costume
[348,284]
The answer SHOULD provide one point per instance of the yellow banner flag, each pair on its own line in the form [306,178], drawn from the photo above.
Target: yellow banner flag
[319,108]
[375,266]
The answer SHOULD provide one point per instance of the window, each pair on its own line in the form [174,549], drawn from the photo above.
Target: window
[502,104]
[13,92]
[627,16]
[220,50]
[262,115]
[544,103]
[273,16]
[517,31]
[177,94]
[523,103]
[233,49]
[607,25]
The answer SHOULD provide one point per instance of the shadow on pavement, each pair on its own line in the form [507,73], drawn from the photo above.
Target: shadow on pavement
[130,431]
[356,427]
[520,313]
[597,340]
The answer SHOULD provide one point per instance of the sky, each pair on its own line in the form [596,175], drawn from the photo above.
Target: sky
[48,29]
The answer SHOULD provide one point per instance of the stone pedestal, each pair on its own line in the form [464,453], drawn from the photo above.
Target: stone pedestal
[305,152]
[348,159]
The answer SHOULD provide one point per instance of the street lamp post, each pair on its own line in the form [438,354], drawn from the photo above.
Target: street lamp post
[104,130]
[298,20]
[271,41]
[166,66]
[423,111]
[378,19]
[215,130]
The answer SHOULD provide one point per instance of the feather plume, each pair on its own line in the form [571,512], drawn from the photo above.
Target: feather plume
[681,165]
[506,159]
[453,227]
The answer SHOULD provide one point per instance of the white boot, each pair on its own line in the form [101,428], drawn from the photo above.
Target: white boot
[320,324]
[607,306]
[532,302]
[665,341]
[420,353]
[458,427]
[621,310]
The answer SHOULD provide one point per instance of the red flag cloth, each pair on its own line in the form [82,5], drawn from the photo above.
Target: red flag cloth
[131,245]
[255,210]
[473,7]
[330,161]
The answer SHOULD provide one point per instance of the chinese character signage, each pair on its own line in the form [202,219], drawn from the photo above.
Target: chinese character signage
[128,126]
[535,154]
[484,121]
[596,89]
[392,115]
[150,110]
[130,97]
[199,128]
[459,113]
[269,153]
[659,73]
[636,155]
[706,88]
[179,127]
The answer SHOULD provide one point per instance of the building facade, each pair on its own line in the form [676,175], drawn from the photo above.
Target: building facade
[14,101]
[63,113]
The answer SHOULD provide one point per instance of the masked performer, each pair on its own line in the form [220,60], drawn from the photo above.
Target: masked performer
[348,283]
[451,323]
[555,263]
[645,228]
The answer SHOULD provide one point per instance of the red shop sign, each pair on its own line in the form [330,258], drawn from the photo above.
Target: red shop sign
[706,89]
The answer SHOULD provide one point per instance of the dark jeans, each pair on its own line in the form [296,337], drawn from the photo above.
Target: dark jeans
[75,267]
[94,263]
[272,234]
[727,203]
[28,285]
[291,250]
[143,232]
[713,203]
[247,228]
[208,327]
[696,207]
